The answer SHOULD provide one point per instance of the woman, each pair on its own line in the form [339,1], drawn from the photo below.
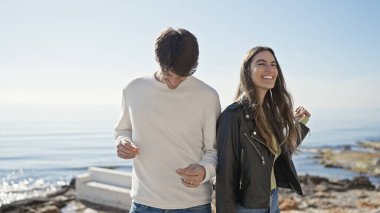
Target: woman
[256,138]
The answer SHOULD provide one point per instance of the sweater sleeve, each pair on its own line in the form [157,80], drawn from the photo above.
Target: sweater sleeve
[209,159]
[123,128]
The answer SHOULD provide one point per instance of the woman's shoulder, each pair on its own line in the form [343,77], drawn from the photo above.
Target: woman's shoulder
[234,106]
[233,110]
[231,115]
[239,110]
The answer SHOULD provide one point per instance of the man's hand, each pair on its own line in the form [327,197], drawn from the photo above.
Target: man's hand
[193,175]
[126,149]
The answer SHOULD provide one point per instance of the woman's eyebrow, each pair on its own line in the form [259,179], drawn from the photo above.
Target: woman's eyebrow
[260,60]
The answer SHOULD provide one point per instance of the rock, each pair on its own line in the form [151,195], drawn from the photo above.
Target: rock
[376,162]
[376,172]
[361,167]
[49,203]
[60,200]
[356,161]
[362,195]
[288,204]
[370,144]
[88,207]
[321,188]
[23,204]
[367,204]
[329,164]
[346,147]
[318,203]
[321,194]
[342,182]
[339,210]
[325,195]
[26,210]
[213,204]
[307,179]
[48,209]
[361,182]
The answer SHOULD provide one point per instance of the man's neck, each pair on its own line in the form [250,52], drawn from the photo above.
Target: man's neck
[158,76]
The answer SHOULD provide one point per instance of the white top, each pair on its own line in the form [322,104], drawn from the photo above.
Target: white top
[172,128]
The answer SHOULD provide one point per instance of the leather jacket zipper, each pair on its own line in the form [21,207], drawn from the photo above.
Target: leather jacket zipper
[257,150]
[261,142]
[242,168]
[262,157]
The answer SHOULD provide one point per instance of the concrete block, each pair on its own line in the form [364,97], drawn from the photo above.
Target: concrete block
[105,187]
[112,177]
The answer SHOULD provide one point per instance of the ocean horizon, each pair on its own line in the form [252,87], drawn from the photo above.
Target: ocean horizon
[44,147]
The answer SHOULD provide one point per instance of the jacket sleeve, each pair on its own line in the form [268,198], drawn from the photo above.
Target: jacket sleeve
[303,130]
[227,176]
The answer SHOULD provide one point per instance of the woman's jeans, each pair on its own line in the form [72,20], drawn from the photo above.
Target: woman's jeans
[140,208]
[273,205]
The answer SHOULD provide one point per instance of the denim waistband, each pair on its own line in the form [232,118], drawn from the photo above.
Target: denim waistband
[273,191]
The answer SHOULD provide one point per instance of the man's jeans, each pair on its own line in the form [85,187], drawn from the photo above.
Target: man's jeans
[140,208]
[273,205]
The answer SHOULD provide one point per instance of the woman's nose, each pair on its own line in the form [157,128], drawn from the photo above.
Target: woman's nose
[268,67]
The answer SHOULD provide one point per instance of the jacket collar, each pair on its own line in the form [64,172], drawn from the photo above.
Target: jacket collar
[248,110]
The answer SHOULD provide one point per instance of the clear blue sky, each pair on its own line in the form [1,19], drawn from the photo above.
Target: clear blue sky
[76,52]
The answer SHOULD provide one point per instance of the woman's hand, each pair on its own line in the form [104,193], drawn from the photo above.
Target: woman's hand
[302,114]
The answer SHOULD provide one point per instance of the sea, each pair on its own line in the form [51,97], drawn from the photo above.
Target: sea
[42,147]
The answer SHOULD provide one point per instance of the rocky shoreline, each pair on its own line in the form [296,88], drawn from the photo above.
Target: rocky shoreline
[321,195]
[366,160]
[326,196]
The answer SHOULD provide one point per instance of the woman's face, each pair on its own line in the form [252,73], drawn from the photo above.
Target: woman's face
[264,71]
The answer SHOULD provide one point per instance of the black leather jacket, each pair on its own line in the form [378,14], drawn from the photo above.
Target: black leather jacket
[245,163]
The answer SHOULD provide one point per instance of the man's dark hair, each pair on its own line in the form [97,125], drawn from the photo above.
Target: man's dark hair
[177,51]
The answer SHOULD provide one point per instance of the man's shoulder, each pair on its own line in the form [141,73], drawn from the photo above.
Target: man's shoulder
[206,88]
[138,81]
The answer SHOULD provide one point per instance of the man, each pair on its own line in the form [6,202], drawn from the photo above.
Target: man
[168,128]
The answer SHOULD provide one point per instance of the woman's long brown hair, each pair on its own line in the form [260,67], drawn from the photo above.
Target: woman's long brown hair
[275,114]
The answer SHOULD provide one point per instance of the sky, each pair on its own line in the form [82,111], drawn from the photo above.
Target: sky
[83,52]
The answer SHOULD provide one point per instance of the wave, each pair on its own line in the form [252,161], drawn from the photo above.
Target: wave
[13,191]
[14,158]
[76,168]
[21,184]
[350,129]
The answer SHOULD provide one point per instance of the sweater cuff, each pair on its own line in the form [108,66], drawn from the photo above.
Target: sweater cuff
[304,120]
[119,138]
[210,171]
